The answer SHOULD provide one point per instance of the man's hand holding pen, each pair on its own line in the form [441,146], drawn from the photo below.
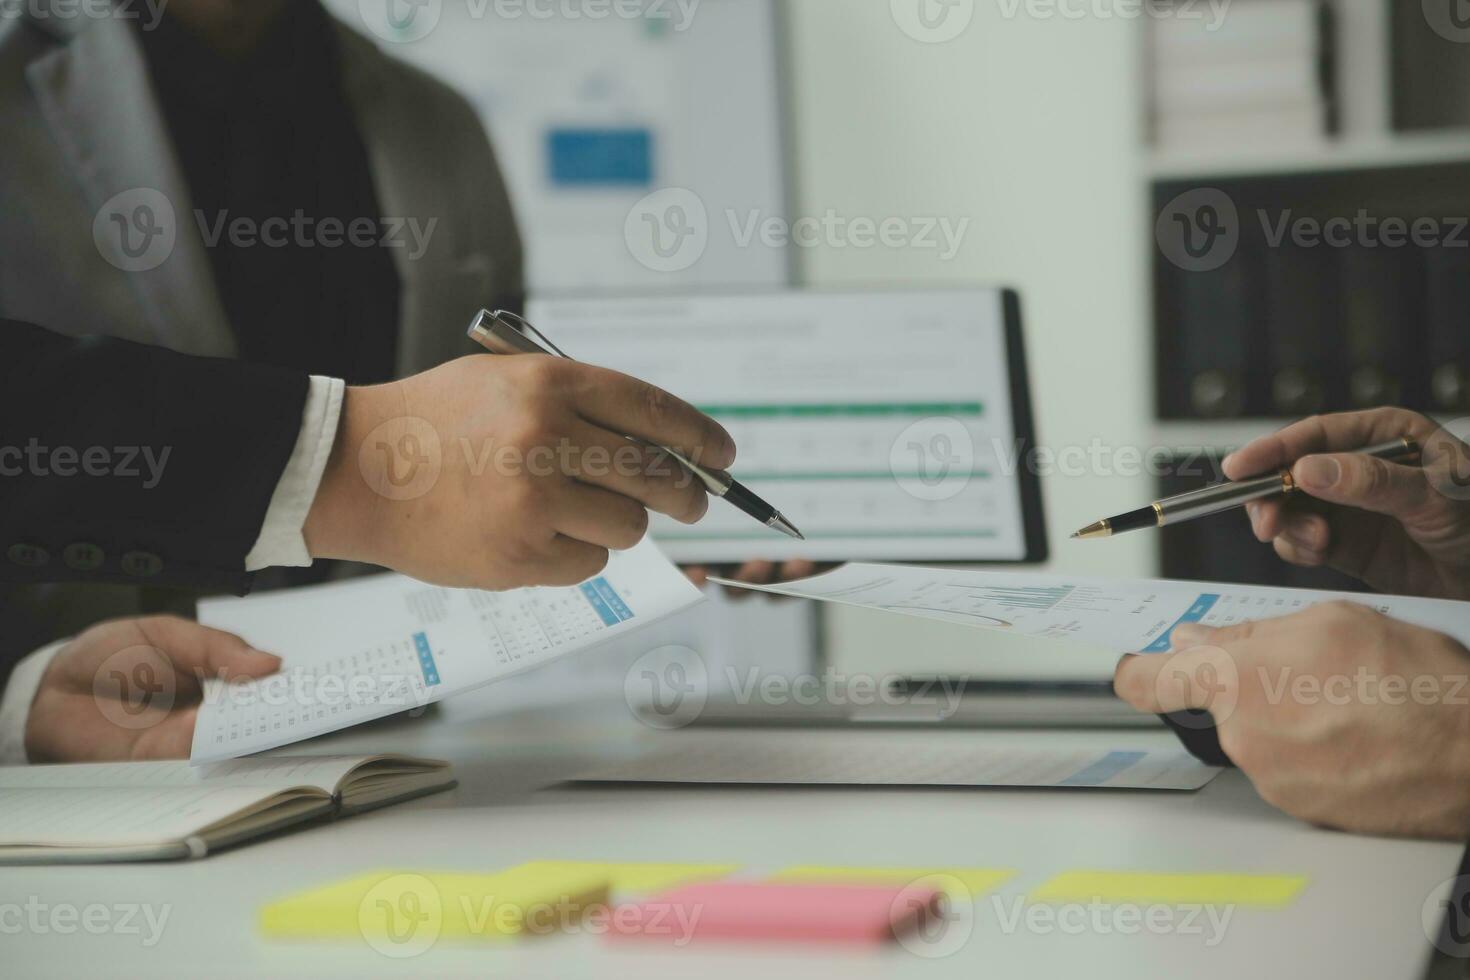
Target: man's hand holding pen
[525,458]
[1396,767]
[1399,528]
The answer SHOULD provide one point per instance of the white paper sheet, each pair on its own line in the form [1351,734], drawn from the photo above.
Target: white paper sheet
[1124,615]
[366,649]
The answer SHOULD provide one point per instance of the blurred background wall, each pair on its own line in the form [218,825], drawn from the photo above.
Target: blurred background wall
[1033,129]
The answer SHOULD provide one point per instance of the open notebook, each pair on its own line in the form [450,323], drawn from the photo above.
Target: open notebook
[154,811]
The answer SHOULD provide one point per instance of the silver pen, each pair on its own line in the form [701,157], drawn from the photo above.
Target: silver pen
[503,332]
[1227,496]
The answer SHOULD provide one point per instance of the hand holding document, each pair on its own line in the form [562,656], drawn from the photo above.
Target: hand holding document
[1122,615]
[362,650]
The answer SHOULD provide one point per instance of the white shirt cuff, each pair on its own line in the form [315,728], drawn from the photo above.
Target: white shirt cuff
[281,542]
[15,703]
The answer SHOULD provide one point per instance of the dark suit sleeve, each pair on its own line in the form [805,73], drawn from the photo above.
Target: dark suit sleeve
[126,463]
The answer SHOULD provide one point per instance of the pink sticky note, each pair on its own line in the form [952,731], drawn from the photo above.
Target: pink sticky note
[772,911]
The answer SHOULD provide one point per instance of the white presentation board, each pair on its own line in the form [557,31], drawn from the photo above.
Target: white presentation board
[637,136]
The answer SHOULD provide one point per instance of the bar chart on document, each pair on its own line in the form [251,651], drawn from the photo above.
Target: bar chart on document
[879,423]
[1129,613]
[1123,615]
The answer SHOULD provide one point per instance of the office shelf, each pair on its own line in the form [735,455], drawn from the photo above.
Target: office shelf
[1361,153]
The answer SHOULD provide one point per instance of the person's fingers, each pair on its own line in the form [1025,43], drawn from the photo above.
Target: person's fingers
[566,561]
[1160,683]
[1445,456]
[199,651]
[1133,678]
[1339,433]
[598,516]
[171,738]
[1187,635]
[754,572]
[635,408]
[795,569]
[1364,482]
[1307,530]
[765,573]
[641,473]
[698,574]
[1295,554]
[1266,518]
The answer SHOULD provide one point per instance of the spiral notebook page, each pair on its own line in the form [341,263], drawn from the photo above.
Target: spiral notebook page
[366,649]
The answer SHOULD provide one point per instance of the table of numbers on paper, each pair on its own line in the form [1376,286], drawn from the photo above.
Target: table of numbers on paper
[365,649]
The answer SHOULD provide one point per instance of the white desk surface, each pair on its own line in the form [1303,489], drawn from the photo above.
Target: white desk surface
[1360,915]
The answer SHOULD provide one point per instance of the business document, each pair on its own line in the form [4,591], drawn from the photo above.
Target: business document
[1124,615]
[361,650]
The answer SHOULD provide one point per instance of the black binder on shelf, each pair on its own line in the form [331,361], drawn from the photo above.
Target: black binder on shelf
[1300,314]
[1206,341]
[1347,289]
[1381,302]
[1447,327]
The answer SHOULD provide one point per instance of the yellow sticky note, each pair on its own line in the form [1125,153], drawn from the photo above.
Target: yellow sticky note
[977,881]
[1267,891]
[391,908]
[638,877]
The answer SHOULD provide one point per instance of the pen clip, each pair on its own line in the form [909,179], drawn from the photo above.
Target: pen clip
[504,332]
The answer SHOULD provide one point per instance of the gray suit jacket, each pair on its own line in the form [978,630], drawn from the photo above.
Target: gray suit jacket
[81,125]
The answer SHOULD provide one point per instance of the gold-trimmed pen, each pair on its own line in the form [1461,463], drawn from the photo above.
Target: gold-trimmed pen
[1220,497]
